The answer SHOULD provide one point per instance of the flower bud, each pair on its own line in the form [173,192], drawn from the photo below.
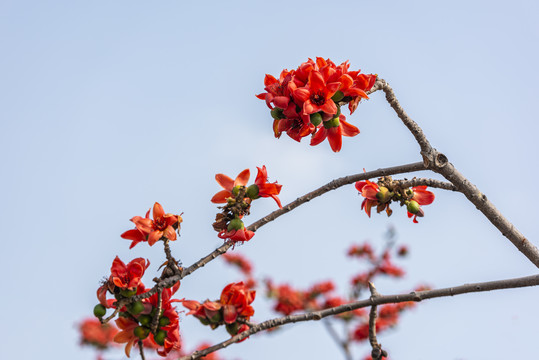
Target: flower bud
[338,96]
[136,308]
[160,336]
[235,224]
[413,207]
[252,191]
[100,310]
[316,119]
[141,332]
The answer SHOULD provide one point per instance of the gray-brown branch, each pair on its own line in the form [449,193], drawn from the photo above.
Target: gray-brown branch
[373,301]
[439,163]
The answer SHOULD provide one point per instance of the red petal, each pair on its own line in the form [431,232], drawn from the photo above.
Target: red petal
[158,211]
[225,182]
[348,129]
[320,136]
[154,237]
[242,178]
[221,197]
[335,138]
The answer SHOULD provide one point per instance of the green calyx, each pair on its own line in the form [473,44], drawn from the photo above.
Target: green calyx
[160,336]
[413,207]
[145,320]
[316,118]
[384,195]
[236,190]
[128,293]
[252,191]
[233,328]
[277,113]
[136,308]
[338,96]
[164,321]
[141,332]
[235,224]
[332,123]
[100,310]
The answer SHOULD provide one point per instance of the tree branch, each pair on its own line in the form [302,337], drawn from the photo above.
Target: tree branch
[427,182]
[373,301]
[343,344]
[439,163]
[332,185]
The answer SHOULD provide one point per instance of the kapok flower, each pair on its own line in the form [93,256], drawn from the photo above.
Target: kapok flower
[265,189]
[94,333]
[126,334]
[135,234]
[316,96]
[162,225]
[236,235]
[128,276]
[236,299]
[368,190]
[334,130]
[228,185]
[421,197]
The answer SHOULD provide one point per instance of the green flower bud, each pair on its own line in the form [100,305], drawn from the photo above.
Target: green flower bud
[136,308]
[160,336]
[164,321]
[413,207]
[277,113]
[100,310]
[252,191]
[141,332]
[145,319]
[236,190]
[204,321]
[235,224]
[332,123]
[338,96]
[316,118]
[128,293]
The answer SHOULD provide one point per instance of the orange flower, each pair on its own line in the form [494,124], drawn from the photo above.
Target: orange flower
[266,189]
[128,277]
[368,190]
[162,225]
[334,130]
[228,185]
[126,335]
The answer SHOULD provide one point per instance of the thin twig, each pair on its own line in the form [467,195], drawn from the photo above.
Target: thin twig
[332,185]
[439,163]
[427,182]
[155,320]
[141,348]
[377,353]
[387,299]
[343,344]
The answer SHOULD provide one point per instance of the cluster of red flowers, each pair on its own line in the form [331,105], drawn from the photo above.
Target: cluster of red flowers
[388,317]
[153,320]
[135,320]
[163,226]
[238,197]
[233,309]
[308,100]
[381,196]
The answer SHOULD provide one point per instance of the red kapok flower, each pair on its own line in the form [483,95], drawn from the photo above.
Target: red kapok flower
[316,96]
[334,130]
[228,184]
[266,189]
[236,299]
[126,335]
[421,197]
[368,190]
[128,277]
[94,333]
[162,225]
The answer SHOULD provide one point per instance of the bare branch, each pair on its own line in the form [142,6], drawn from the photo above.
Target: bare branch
[377,353]
[141,348]
[387,299]
[427,182]
[439,163]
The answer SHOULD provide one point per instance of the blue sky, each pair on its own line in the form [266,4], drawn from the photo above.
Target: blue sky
[107,107]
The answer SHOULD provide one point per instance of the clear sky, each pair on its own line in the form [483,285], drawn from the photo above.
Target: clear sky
[109,106]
